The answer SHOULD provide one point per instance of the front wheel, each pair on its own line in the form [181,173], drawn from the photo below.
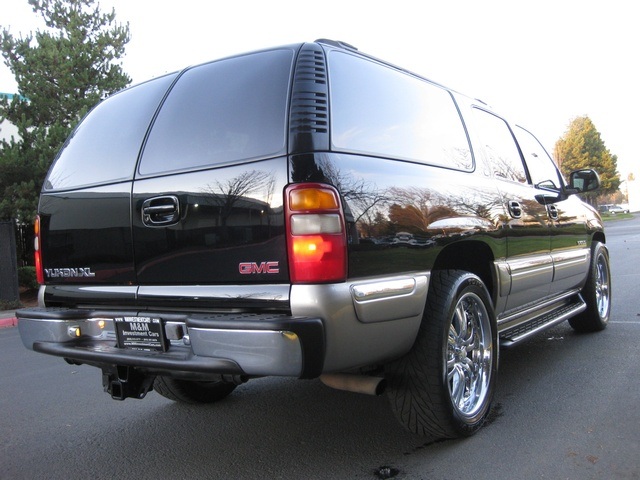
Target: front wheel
[596,293]
[444,386]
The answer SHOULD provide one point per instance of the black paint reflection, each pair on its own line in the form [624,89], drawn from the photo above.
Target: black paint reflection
[401,214]
[229,216]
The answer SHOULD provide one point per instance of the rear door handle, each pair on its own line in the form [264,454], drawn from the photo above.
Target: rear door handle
[161,211]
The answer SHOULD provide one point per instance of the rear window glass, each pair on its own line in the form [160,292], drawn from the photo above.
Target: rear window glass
[224,111]
[380,111]
[104,148]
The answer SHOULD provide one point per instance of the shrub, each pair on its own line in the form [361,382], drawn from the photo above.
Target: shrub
[27,278]
[6,305]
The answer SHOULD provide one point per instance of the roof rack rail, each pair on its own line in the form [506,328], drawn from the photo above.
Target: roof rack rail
[337,43]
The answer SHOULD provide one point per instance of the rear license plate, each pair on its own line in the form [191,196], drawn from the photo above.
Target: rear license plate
[140,333]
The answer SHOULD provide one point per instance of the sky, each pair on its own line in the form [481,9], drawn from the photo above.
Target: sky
[540,63]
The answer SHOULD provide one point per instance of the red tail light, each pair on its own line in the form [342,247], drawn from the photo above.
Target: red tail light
[316,238]
[38,253]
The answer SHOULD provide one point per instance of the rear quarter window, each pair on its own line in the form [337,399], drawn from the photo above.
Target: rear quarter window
[380,111]
[104,147]
[222,112]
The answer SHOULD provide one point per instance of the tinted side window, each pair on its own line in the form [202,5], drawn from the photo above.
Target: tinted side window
[105,146]
[380,111]
[224,111]
[499,146]
[541,168]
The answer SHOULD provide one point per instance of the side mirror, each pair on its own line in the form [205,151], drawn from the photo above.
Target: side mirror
[584,181]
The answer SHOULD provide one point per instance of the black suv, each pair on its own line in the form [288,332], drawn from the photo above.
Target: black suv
[309,211]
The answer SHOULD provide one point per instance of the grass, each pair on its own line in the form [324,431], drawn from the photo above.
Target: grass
[618,216]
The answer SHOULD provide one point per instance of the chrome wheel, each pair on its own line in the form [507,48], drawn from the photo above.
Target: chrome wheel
[443,387]
[602,286]
[469,355]
[596,293]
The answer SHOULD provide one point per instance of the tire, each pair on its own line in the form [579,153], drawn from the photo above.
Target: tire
[444,386]
[596,293]
[191,391]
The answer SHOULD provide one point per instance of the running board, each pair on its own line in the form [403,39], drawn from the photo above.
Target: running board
[523,331]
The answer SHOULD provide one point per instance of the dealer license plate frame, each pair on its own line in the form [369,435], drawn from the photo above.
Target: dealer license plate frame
[140,333]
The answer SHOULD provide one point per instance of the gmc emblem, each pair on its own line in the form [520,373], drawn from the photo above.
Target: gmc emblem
[252,268]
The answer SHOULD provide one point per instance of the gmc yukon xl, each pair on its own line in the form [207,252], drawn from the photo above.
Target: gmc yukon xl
[310,211]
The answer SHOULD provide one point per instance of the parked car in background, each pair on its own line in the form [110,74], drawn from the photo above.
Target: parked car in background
[618,209]
[612,209]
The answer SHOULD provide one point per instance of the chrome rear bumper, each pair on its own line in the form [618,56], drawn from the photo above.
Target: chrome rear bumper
[241,344]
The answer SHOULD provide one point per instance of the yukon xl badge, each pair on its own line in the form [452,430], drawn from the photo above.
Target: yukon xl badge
[69,272]
[252,268]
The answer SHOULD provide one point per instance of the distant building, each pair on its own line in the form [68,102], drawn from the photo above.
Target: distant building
[7,129]
[632,189]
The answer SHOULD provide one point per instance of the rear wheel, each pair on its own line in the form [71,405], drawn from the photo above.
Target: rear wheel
[444,386]
[596,293]
[192,391]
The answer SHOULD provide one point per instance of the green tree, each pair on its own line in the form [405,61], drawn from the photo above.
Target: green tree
[582,147]
[61,73]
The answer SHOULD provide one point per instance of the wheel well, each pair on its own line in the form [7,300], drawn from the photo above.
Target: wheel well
[598,237]
[471,256]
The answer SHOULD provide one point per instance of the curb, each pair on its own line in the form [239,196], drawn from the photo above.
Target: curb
[8,322]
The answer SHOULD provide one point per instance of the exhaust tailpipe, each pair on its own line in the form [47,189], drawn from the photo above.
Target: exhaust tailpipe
[355,383]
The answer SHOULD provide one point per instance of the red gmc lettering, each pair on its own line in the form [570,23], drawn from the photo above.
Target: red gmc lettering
[251,268]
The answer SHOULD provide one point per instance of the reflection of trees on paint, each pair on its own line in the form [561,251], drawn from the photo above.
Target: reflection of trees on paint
[379,212]
[227,193]
[416,208]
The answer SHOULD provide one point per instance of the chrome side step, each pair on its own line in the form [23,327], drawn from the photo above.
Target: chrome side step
[518,333]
